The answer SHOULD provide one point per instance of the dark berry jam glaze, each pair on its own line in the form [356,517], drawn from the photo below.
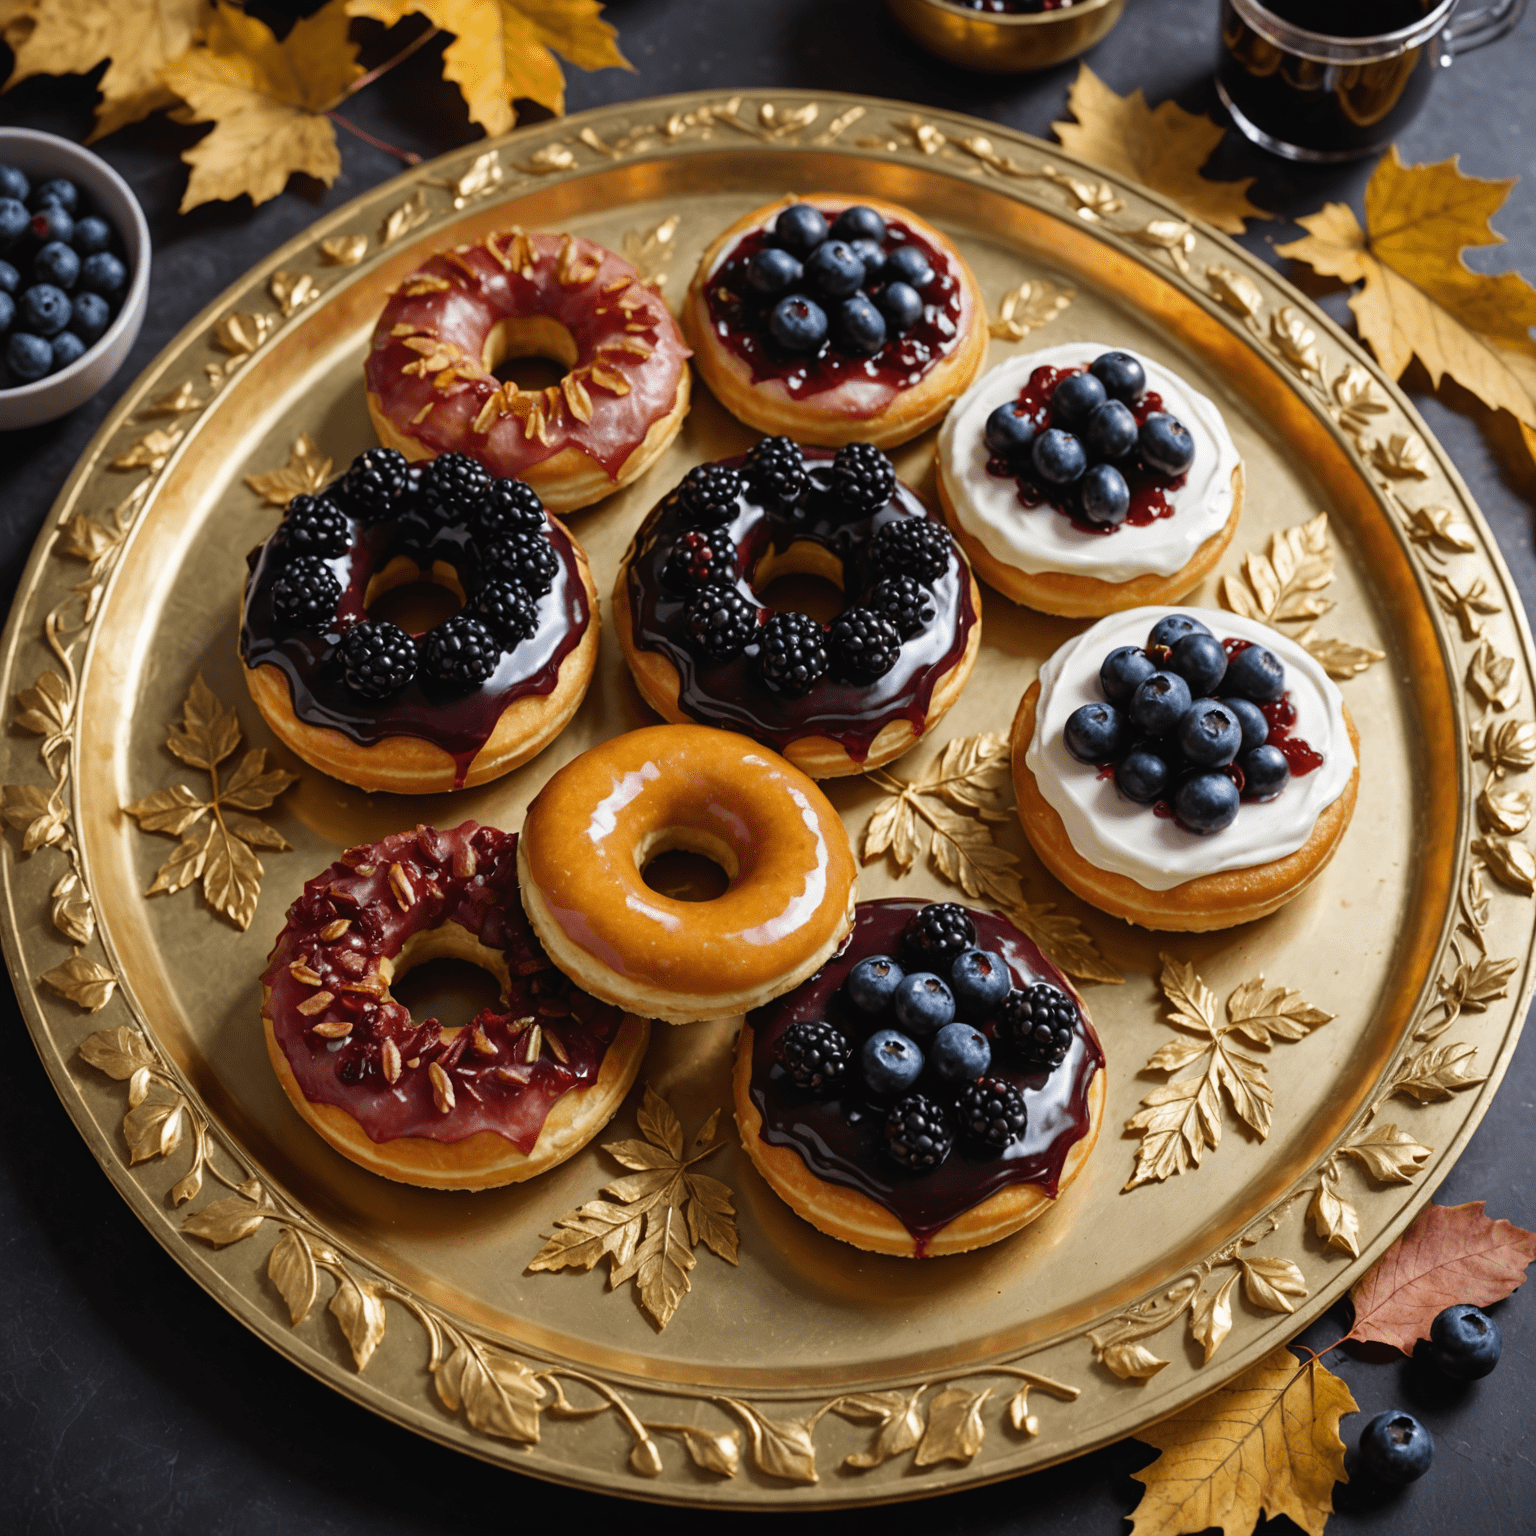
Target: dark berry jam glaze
[841,1138]
[1302,756]
[466,876]
[740,322]
[1149,489]
[459,722]
[730,693]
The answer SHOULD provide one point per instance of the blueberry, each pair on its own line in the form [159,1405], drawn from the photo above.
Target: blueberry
[30,357]
[1124,670]
[1096,733]
[772,272]
[13,221]
[1165,444]
[800,229]
[66,348]
[1142,775]
[858,328]
[103,273]
[891,1062]
[51,222]
[44,309]
[1058,457]
[1251,718]
[91,317]
[59,191]
[1464,1343]
[834,270]
[1104,496]
[980,980]
[10,278]
[1395,1448]
[1174,627]
[1255,673]
[1159,703]
[859,223]
[14,184]
[797,324]
[923,1003]
[58,264]
[7,310]
[1076,398]
[1009,431]
[960,1054]
[1121,375]
[901,305]
[872,984]
[907,264]
[873,257]
[1200,661]
[1209,734]
[1110,432]
[1206,802]
[1265,772]
[91,235]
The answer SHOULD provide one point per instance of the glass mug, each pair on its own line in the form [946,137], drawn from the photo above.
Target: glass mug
[1337,79]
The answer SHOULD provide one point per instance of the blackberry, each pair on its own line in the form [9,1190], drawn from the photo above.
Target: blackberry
[775,471]
[863,479]
[815,1055]
[454,483]
[917,1134]
[992,1112]
[792,653]
[507,505]
[912,546]
[507,610]
[314,526]
[720,622]
[906,602]
[377,479]
[707,496]
[524,556]
[699,560]
[936,936]
[865,644]
[377,658]
[1038,1021]
[306,593]
[462,651]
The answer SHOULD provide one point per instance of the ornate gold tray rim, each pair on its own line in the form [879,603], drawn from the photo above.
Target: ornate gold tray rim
[484,170]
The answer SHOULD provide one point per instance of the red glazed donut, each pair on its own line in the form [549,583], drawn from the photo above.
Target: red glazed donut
[517,1090]
[431,389]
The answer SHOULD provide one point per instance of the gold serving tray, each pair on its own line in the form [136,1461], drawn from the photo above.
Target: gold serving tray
[775,1378]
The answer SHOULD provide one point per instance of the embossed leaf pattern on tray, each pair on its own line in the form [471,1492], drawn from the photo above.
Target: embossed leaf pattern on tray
[305,473]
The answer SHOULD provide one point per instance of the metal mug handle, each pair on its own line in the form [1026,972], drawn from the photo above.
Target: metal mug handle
[1485,25]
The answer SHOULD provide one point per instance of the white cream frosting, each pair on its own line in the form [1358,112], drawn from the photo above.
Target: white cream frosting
[1040,539]
[1114,833]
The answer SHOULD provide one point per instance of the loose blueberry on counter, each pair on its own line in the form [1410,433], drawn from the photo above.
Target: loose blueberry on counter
[1464,1343]
[1104,496]
[1165,444]
[800,229]
[980,981]
[1251,718]
[1077,397]
[29,357]
[923,1004]
[1009,431]
[993,1113]
[917,1133]
[858,223]
[91,235]
[891,1062]
[1207,802]
[858,328]
[773,271]
[902,306]
[1110,432]
[1200,660]
[798,324]
[1038,1022]
[1209,734]
[58,191]
[1142,775]
[56,263]
[1123,378]
[1255,673]
[936,936]
[1159,704]
[103,273]
[1395,1448]
[834,270]
[1096,733]
[14,184]
[906,264]
[14,220]
[64,349]
[1265,772]
[1122,672]
[1167,631]
[1058,457]
[960,1054]
[872,983]
[815,1055]
[44,310]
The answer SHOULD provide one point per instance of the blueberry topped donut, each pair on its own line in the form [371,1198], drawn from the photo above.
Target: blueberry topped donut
[836,322]
[461,703]
[432,388]
[1084,479]
[834,699]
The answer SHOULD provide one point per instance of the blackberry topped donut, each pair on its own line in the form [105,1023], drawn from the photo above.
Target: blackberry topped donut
[518,1089]
[835,699]
[834,322]
[462,703]
[431,388]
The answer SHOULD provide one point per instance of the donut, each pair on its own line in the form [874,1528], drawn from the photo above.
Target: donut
[878,365]
[596,824]
[431,388]
[1033,539]
[518,1089]
[836,700]
[1140,858]
[462,703]
[944,1150]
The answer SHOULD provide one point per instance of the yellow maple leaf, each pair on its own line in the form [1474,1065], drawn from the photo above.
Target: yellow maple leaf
[1162,147]
[1266,1443]
[267,101]
[1419,297]
[71,37]
[503,49]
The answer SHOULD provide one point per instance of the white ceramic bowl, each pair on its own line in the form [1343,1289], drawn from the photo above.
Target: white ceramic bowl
[42,156]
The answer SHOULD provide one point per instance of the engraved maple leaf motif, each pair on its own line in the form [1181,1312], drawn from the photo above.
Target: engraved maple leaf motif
[305,474]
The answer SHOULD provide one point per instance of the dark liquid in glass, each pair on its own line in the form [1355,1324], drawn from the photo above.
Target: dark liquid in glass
[1330,109]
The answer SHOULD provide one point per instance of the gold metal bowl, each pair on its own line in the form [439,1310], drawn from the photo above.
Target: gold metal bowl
[1005,45]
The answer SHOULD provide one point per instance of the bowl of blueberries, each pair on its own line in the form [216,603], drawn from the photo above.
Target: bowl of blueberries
[1004,37]
[74,275]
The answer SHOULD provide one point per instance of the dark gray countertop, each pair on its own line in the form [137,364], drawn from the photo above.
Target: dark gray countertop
[129,1401]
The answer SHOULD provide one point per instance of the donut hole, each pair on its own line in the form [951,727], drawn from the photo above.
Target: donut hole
[415,599]
[531,351]
[447,974]
[687,863]
[805,578]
